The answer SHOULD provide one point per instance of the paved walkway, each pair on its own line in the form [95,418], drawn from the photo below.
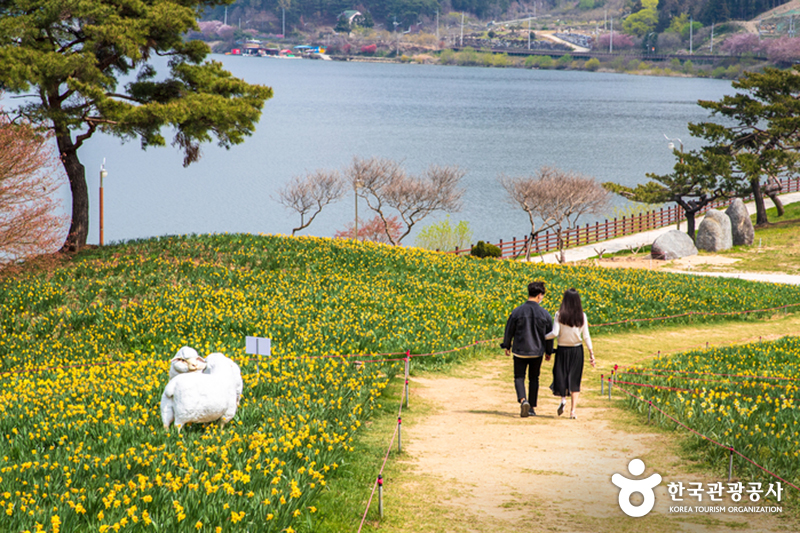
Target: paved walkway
[581,253]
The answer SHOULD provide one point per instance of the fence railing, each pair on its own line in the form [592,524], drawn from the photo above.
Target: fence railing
[611,229]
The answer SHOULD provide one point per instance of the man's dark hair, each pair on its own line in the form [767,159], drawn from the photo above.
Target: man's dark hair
[535,289]
[571,312]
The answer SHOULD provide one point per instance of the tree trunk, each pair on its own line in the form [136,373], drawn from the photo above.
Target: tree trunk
[689,211]
[778,204]
[79,225]
[772,189]
[690,224]
[761,210]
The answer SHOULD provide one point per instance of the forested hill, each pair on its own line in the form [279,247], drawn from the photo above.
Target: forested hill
[710,11]
[268,14]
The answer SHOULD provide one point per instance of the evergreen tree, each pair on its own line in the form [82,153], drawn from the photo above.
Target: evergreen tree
[71,54]
[762,136]
[699,178]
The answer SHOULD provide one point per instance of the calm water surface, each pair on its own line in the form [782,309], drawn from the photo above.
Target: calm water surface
[487,121]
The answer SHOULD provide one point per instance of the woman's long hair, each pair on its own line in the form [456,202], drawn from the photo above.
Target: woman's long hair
[571,312]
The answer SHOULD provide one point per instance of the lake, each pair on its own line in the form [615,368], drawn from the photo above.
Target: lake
[486,121]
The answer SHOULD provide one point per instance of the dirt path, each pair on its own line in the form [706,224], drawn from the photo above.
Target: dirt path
[499,472]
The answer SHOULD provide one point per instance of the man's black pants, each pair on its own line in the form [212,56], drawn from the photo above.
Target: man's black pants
[533,365]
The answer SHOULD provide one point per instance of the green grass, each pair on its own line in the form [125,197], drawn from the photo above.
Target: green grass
[776,247]
[743,396]
[85,345]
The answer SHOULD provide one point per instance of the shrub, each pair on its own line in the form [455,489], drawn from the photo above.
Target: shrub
[530,61]
[564,61]
[467,57]
[718,72]
[501,60]
[483,249]
[592,64]
[733,71]
[447,57]
[369,49]
[445,236]
[545,62]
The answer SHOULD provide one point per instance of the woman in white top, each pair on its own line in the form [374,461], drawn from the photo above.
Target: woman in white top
[571,328]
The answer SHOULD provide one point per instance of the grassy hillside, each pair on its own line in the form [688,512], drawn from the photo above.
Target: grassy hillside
[85,346]
[312,297]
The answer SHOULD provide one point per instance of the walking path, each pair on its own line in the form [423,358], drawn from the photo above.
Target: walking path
[472,465]
[638,240]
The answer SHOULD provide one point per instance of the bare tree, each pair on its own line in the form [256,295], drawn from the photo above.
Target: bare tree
[572,195]
[555,199]
[307,195]
[533,195]
[29,220]
[386,187]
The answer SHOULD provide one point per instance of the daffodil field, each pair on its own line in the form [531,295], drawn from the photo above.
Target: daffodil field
[85,346]
[746,397]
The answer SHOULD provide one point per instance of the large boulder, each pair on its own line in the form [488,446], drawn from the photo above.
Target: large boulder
[672,245]
[741,225]
[714,233]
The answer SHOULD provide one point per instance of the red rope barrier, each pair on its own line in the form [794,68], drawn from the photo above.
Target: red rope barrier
[383,465]
[662,387]
[375,485]
[695,390]
[713,383]
[626,321]
[636,371]
[773,474]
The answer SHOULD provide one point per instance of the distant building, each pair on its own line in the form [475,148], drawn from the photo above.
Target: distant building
[349,15]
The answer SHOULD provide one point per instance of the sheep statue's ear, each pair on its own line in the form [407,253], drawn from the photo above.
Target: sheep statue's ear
[198,364]
[187,353]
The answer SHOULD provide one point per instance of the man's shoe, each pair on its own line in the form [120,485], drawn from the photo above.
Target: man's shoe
[524,409]
[532,412]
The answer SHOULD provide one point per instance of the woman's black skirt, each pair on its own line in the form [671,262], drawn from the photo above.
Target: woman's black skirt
[567,370]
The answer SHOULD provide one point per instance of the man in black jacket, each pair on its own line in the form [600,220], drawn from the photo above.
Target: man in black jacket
[525,339]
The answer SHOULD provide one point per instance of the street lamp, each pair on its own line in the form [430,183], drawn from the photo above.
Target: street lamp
[103,174]
[356,185]
[672,144]
[672,147]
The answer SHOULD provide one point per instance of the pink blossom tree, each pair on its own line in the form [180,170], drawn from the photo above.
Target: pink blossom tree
[621,42]
[741,43]
[29,176]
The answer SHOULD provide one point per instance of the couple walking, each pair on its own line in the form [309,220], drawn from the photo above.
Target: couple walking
[529,336]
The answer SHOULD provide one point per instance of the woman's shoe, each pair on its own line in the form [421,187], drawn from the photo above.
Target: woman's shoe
[561,408]
[572,415]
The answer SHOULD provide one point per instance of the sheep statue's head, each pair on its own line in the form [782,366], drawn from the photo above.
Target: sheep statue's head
[186,360]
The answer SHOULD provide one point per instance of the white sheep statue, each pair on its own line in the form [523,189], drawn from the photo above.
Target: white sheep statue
[186,360]
[221,359]
[200,397]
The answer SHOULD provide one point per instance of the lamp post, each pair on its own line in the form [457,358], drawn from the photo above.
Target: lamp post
[396,38]
[356,185]
[672,144]
[103,174]
[672,147]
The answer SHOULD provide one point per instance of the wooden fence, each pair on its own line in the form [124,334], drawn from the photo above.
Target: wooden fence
[610,229]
